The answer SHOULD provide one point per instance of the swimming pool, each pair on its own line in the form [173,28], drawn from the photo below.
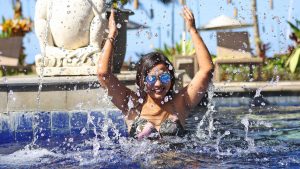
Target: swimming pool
[267,137]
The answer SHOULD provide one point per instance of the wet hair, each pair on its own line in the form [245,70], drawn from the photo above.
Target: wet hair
[145,64]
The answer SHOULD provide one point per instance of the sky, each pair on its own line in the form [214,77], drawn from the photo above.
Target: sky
[272,23]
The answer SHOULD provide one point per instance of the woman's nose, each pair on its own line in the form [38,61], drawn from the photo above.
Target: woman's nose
[158,82]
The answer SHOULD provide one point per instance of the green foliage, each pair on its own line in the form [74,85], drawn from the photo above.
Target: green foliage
[295,29]
[116,3]
[5,34]
[272,68]
[16,71]
[293,61]
[170,52]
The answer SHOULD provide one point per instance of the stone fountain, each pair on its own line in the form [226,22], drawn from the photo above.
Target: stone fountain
[71,35]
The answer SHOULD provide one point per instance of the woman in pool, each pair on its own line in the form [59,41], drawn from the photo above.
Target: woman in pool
[156,109]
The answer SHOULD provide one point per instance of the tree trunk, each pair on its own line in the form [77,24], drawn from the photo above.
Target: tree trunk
[256,29]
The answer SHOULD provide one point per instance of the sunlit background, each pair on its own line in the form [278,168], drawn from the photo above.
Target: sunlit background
[272,23]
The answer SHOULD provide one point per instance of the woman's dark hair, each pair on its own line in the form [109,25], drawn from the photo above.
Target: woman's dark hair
[146,63]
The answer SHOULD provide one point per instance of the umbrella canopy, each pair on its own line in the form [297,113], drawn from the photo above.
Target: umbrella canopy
[223,22]
[133,25]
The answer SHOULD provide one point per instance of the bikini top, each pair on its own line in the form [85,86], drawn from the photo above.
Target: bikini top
[167,128]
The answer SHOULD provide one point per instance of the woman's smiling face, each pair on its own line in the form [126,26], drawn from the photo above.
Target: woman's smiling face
[160,87]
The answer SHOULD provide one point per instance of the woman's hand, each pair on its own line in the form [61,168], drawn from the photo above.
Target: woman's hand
[113,31]
[189,19]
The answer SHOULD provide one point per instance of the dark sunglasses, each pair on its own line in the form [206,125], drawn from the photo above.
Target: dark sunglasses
[164,78]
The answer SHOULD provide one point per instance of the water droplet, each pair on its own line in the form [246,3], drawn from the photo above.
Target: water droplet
[71,140]
[5,80]
[119,25]
[166,99]
[130,104]
[103,15]
[83,131]
[141,100]
[68,12]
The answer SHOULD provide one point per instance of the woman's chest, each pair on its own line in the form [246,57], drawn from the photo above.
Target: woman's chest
[157,114]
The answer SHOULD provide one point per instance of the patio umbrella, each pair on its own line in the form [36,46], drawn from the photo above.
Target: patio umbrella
[223,22]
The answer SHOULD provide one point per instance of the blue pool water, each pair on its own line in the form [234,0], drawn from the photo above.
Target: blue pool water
[267,137]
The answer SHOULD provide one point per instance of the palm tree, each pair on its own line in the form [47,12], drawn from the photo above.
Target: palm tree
[256,28]
[258,43]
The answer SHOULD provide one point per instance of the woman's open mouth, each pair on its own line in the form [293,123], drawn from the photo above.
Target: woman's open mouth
[158,90]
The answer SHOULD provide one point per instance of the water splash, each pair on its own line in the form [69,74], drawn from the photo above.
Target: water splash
[11,96]
[26,156]
[250,141]
[208,117]
[219,137]
[41,78]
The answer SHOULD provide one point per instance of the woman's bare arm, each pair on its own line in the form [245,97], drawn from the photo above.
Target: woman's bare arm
[119,92]
[194,92]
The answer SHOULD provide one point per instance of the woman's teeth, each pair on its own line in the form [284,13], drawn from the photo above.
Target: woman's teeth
[158,90]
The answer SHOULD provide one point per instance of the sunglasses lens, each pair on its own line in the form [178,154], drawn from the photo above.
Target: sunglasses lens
[151,79]
[165,78]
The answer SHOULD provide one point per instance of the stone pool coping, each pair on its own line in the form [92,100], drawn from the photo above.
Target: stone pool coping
[281,86]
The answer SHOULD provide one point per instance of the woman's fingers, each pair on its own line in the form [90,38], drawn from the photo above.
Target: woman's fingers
[112,16]
[185,17]
[112,25]
[188,17]
[188,12]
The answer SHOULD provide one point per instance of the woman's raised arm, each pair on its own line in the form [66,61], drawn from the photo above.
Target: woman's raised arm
[119,92]
[194,92]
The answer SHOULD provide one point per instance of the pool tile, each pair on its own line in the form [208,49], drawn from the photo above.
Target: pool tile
[117,118]
[4,123]
[7,136]
[97,118]
[79,132]
[24,136]
[60,131]
[91,133]
[43,120]
[60,120]
[23,121]
[78,119]
[42,133]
